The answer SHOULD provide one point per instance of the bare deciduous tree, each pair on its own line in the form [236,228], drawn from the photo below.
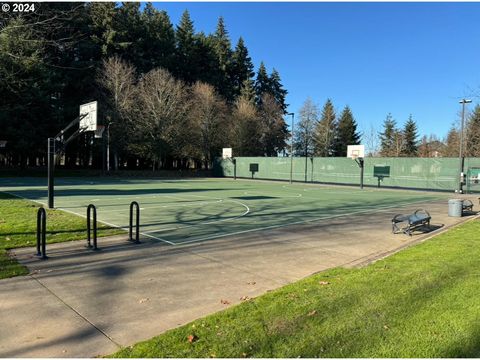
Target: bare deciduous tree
[163,110]
[304,132]
[246,130]
[207,119]
[117,83]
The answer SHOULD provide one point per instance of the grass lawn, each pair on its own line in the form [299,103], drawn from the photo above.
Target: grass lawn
[18,223]
[421,302]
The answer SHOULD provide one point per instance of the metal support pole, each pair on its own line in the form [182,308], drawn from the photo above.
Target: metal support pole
[137,225]
[234,169]
[311,160]
[306,163]
[41,233]
[361,172]
[360,163]
[291,148]
[51,172]
[460,155]
[89,228]
[108,148]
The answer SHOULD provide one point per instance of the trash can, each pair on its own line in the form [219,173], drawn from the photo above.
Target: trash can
[455,207]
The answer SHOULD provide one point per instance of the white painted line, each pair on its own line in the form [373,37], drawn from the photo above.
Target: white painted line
[298,222]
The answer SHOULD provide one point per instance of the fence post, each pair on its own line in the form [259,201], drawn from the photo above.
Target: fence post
[89,228]
[137,225]
[41,233]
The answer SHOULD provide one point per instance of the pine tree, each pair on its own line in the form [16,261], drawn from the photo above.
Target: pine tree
[262,83]
[242,67]
[248,90]
[472,147]
[452,142]
[277,90]
[410,138]
[158,41]
[222,48]
[387,136]
[326,131]
[186,49]
[347,132]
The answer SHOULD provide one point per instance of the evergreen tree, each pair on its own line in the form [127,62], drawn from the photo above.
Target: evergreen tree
[262,83]
[274,128]
[248,90]
[347,132]
[242,68]
[326,131]
[410,138]
[452,142]
[277,90]
[472,147]
[387,137]
[223,50]
[158,40]
[186,50]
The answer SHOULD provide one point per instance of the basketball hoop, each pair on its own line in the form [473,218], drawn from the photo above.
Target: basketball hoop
[99,131]
[3,143]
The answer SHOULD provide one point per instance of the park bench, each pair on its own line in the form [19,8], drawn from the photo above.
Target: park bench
[410,222]
[467,205]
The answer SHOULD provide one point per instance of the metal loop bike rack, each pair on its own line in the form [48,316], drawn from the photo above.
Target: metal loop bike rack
[89,228]
[137,224]
[41,233]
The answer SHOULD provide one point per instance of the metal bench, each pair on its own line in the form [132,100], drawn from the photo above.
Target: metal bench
[467,205]
[413,221]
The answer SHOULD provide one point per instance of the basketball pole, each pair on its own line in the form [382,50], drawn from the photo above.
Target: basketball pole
[360,163]
[51,172]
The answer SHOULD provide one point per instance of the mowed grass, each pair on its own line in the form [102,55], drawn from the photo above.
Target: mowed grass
[18,224]
[421,302]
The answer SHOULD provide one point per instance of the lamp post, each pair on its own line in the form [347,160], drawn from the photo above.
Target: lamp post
[291,147]
[460,155]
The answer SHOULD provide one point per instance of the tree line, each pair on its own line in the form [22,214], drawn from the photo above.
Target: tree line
[324,133]
[169,95]
[404,141]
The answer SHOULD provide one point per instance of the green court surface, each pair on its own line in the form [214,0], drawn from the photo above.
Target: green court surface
[187,211]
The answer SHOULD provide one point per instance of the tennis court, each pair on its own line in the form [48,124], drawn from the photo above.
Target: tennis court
[188,211]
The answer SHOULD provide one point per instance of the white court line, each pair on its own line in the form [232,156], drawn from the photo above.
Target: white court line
[199,203]
[207,222]
[84,216]
[257,193]
[298,222]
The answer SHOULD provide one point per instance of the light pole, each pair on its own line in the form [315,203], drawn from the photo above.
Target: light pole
[460,155]
[291,147]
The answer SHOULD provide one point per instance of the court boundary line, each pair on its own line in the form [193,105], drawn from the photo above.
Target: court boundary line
[84,216]
[148,234]
[299,222]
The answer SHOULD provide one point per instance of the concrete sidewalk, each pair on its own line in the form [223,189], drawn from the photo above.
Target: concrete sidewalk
[81,303]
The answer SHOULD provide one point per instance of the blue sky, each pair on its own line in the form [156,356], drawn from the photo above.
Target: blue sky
[402,58]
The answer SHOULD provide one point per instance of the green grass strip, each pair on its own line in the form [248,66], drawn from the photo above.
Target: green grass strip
[421,302]
[18,223]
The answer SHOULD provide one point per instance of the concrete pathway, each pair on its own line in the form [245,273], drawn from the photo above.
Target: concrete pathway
[81,303]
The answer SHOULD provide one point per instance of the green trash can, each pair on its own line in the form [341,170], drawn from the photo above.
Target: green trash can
[455,207]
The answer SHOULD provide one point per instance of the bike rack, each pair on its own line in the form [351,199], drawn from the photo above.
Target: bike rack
[137,225]
[89,228]
[41,233]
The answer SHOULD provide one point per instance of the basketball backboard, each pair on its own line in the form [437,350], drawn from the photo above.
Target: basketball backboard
[227,153]
[355,151]
[89,122]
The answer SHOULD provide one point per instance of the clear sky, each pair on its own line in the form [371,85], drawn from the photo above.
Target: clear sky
[402,58]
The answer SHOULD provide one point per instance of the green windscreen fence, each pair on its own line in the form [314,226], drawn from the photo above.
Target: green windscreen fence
[418,173]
